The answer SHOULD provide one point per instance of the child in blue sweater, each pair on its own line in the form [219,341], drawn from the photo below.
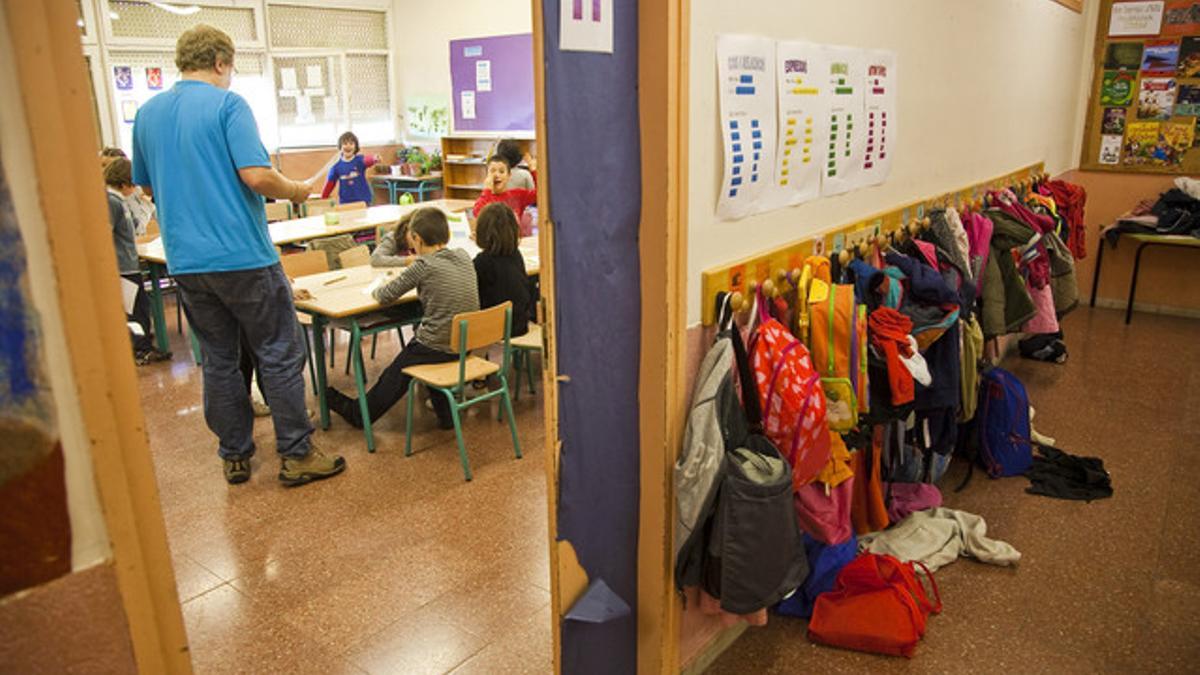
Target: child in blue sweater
[349,173]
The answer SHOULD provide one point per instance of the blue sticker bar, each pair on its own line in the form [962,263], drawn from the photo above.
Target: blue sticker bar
[746,79]
[756,134]
[744,91]
[754,124]
[737,159]
[733,124]
[737,170]
[736,181]
[758,145]
[733,193]
[737,147]
[737,136]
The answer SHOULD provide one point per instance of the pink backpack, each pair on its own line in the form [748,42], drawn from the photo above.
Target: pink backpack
[979,237]
[793,403]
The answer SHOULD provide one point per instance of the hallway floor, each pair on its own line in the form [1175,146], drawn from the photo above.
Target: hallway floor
[396,566]
[1109,586]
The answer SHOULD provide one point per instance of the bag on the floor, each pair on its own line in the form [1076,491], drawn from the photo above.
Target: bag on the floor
[823,505]
[877,605]
[754,556]
[793,405]
[837,338]
[1003,424]
[824,564]
[868,512]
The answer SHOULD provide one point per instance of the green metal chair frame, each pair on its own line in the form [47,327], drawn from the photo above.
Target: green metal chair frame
[458,394]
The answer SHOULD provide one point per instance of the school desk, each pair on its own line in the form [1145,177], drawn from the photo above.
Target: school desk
[1143,241]
[417,185]
[283,232]
[340,295]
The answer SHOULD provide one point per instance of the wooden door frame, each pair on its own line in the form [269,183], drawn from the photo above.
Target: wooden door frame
[55,95]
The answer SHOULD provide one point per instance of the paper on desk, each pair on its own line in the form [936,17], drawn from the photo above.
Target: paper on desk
[379,281]
[128,294]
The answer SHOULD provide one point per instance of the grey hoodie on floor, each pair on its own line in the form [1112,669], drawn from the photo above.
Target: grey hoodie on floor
[936,537]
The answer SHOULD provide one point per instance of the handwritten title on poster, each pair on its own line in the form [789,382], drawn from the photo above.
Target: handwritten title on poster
[801,120]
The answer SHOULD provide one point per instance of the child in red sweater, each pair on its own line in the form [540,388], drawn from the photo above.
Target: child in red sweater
[496,189]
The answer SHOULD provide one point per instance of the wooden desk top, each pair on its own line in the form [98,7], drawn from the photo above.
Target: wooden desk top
[314,227]
[342,293]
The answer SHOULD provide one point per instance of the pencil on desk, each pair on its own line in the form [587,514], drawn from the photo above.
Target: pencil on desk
[335,280]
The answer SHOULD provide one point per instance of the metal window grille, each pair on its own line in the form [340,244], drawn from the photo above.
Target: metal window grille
[294,27]
[131,19]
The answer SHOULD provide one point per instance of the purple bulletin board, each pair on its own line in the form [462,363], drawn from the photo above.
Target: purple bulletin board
[508,106]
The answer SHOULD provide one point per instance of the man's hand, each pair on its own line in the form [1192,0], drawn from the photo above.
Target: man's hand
[302,190]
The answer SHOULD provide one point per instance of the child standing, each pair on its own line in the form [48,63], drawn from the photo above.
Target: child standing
[349,174]
[496,189]
[446,286]
[500,268]
[118,177]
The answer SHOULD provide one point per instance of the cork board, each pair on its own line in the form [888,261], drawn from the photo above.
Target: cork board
[1144,107]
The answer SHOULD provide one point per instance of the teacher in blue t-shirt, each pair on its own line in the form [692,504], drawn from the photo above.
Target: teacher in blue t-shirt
[197,152]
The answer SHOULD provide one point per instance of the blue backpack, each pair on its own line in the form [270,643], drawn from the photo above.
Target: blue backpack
[1003,424]
[824,563]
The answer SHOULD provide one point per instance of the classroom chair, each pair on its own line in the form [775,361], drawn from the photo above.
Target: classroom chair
[316,207]
[352,206]
[300,265]
[355,257]
[277,211]
[524,347]
[470,331]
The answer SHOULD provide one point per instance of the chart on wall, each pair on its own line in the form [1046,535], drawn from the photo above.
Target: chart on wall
[1146,95]
[801,120]
[746,76]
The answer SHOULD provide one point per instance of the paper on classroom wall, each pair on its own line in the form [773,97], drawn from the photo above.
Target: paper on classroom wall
[468,105]
[1135,18]
[879,94]
[843,158]
[800,69]
[746,90]
[1110,149]
[585,26]
[287,79]
[312,76]
[483,75]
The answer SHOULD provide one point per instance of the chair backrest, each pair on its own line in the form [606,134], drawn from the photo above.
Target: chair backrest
[277,211]
[316,207]
[352,206]
[484,327]
[355,257]
[304,263]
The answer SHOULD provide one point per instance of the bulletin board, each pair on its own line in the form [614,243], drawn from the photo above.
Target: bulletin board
[491,80]
[1144,107]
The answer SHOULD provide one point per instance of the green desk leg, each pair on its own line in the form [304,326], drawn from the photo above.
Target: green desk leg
[156,307]
[318,330]
[360,381]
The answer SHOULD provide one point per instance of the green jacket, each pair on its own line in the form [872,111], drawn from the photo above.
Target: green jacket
[1006,302]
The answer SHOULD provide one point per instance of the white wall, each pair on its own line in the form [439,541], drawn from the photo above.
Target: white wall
[984,88]
[422,34]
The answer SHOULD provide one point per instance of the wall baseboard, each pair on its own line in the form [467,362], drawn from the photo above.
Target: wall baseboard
[715,648]
[1115,303]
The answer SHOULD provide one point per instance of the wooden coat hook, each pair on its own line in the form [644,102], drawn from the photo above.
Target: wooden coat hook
[844,257]
[768,288]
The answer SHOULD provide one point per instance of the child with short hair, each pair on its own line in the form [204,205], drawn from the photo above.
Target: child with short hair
[496,189]
[140,209]
[118,177]
[519,174]
[500,268]
[349,173]
[392,249]
[446,286]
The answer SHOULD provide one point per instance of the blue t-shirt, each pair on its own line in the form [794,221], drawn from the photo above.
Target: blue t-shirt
[351,176]
[188,144]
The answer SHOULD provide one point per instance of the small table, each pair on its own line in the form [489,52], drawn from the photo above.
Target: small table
[418,185]
[1144,240]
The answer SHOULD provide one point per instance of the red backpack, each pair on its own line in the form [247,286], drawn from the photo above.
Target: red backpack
[793,403]
[877,605]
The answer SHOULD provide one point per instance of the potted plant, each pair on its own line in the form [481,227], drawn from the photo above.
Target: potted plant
[416,160]
[435,161]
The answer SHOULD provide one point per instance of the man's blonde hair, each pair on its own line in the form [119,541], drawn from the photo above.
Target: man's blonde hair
[201,48]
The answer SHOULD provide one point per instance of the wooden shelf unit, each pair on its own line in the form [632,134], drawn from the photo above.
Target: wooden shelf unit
[464,178]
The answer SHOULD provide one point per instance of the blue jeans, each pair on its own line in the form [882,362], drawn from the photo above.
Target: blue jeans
[222,306]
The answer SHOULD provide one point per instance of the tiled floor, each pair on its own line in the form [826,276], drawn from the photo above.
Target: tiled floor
[1112,586]
[397,566]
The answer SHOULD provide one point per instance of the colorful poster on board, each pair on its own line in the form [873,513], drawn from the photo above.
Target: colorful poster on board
[1113,121]
[1160,57]
[123,77]
[1156,98]
[879,96]
[1196,134]
[803,108]
[847,129]
[1123,56]
[1181,17]
[1110,150]
[1177,137]
[1117,87]
[1135,18]
[1140,140]
[154,78]
[1187,100]
[1189,58]
[746,89]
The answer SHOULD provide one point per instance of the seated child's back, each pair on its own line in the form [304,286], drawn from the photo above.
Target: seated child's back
[500,268]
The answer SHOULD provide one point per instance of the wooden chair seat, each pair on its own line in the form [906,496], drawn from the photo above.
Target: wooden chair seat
[531,340]
[446,374]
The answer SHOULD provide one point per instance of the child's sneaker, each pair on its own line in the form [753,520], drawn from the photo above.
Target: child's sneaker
[316,465]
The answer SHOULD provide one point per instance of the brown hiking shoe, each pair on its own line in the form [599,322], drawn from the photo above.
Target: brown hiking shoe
[316,465]
[237,471]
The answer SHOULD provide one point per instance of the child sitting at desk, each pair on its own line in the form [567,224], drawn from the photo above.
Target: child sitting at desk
[446,286]
[349,174]
[496,190]
[519,173]
[119,179]
[500,268]
[393,250]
